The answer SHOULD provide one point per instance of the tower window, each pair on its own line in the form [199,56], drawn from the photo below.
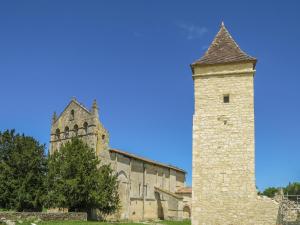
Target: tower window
[103,136]
[57,133]
[85,126]
[76,129]
[66,132]
[226,98]
[72,114]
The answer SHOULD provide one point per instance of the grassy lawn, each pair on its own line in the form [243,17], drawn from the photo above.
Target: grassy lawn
[76,223]
[185,222]
[168,222]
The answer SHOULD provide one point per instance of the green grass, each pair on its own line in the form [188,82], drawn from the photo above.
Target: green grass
[168,222]
[76,223]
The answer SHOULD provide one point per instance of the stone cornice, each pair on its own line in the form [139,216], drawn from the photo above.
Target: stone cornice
[223,73]
[79,136]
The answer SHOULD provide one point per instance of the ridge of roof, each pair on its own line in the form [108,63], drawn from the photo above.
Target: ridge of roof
[146,160]
[224,49]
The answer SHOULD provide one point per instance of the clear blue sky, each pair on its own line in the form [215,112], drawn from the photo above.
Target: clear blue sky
[134,56]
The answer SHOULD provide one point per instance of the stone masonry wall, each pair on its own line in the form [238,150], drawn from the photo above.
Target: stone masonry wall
[95,135]
[138,180]
[224,189]
[44,216]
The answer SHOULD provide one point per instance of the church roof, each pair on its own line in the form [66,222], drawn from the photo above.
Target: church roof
[224,50]
[130,155]
[184,190]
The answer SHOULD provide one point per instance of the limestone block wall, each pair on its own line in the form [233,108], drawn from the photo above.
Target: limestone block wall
[137,182]
[72,123]
[80,216]
[187,203]
[173,181]
[136,209]
[180,181]
[224,189]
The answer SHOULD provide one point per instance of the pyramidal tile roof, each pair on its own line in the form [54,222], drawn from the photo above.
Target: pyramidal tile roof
[223,50]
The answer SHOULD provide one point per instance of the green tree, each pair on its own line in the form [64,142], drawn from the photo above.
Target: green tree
[77,181]
[292,189]
[270,192]
[23,167]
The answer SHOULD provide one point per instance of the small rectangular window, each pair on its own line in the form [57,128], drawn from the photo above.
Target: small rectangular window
[226,98]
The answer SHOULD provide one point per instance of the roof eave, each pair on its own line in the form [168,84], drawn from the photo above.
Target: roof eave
[197,63]
[147,160]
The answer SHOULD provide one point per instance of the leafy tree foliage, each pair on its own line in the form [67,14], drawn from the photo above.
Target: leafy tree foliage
[270,192]
[77,181]
[23,168]
[292,189]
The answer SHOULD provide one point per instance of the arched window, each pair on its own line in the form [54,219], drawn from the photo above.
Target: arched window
[103,136]
[85,126]
[186,212]
[72,114]
[57,133]
[76,129]
[67,132]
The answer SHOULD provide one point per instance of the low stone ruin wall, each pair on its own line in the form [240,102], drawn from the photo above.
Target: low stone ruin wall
[289,212]
[44,216]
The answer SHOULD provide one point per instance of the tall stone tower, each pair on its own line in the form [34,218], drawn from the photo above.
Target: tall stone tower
[224,190]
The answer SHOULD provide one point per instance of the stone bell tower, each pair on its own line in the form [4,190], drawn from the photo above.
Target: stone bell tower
[224,190]
[78,121]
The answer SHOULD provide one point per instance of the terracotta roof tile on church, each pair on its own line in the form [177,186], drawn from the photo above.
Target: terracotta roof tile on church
[224,50]
[146,160]
[184,190]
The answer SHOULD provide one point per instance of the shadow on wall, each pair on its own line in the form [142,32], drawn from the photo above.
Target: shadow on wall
[160,209]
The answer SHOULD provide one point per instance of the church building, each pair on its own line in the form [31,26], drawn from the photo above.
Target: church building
[148,189]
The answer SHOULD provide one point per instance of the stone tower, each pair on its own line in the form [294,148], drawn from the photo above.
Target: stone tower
[77,120]
[224,190]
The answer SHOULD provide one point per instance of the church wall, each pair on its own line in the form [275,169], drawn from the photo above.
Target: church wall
[136,209]
[180,180]
[173,180]
[143,178]
[137,174]
[150,181]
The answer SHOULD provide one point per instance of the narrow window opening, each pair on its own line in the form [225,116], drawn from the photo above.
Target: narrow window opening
[72,114]
[85,126]
[67,132]
[226,98]
[76,129]
[103,136]
[57,133]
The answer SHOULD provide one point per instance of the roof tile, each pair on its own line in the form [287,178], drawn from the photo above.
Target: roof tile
[224,49]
